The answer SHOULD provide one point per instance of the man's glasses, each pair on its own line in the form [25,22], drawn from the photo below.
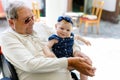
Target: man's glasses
[27,20]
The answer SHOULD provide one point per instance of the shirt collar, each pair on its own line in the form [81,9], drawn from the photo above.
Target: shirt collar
[24,35]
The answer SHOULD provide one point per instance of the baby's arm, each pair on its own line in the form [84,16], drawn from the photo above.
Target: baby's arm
[77,37]
[47,48]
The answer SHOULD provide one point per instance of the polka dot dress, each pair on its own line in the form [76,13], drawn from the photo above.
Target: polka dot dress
[64,47]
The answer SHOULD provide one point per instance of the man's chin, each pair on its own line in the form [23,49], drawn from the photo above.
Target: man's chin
[30,32]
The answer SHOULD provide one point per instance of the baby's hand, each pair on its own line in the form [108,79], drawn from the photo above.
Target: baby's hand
[87,43]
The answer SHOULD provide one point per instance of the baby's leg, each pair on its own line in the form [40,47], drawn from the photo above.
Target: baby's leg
[83,77]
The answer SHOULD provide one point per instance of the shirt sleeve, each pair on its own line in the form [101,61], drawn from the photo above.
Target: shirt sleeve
[16,53]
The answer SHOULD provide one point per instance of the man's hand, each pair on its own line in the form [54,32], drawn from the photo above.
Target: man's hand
[81,65]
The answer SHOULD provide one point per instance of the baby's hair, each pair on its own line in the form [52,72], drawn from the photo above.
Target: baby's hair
[65,18]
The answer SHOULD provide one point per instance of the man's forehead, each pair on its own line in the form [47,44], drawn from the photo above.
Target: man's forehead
[24,12]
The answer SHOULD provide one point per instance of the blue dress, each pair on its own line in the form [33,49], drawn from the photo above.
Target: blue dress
[64,47]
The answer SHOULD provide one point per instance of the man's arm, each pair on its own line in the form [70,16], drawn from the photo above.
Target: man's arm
[21,56]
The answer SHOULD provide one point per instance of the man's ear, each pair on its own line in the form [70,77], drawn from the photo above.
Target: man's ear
[11,23]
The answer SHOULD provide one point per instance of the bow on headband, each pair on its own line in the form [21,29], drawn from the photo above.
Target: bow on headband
[66,18]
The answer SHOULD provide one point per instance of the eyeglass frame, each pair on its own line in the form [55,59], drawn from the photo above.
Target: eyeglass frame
[27,20]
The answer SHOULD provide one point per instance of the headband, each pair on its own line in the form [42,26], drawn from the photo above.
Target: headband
[66,18]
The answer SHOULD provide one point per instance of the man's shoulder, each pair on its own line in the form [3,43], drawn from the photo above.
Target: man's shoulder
[8,34]
[5,33]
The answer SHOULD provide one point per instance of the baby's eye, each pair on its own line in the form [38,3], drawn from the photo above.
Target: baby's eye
[68,30]
[62,28]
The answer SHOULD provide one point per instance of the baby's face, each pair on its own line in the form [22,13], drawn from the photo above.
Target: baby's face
[64,30]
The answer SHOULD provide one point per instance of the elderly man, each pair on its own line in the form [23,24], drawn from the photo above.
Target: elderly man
[22,47]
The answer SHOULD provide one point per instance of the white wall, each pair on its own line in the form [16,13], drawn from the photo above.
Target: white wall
[54,8]
[109,5]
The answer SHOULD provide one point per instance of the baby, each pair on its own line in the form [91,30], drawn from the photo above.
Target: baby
[62,42]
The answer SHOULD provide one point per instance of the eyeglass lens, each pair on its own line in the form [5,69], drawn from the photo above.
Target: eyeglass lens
[29,19]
